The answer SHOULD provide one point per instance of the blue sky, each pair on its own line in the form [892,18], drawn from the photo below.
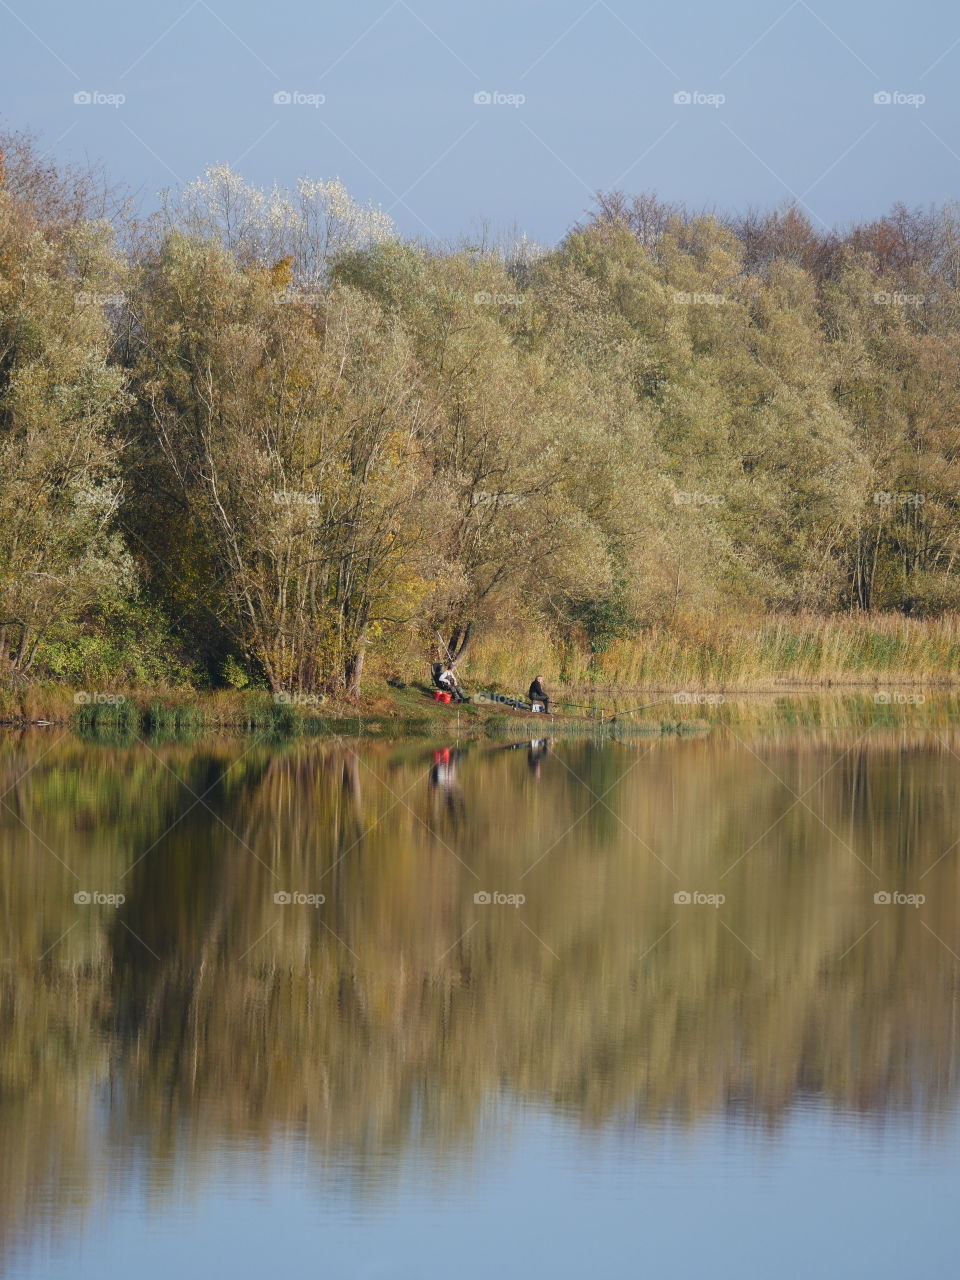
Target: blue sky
[400,125]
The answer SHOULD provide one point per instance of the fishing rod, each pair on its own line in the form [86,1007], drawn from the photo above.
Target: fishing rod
[614,715]
[444,647]
[643,707]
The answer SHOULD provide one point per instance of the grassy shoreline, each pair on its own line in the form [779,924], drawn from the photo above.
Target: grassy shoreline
[387,712]
[769,657]
[392,711]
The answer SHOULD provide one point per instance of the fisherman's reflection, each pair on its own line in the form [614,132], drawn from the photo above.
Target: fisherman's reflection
[536,754]
[445,785]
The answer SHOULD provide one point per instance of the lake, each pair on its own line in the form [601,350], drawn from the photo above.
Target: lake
[674,1006]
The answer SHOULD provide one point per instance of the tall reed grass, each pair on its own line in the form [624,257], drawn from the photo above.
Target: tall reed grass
[779,650]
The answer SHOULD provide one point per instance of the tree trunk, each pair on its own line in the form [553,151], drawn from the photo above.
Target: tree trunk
[459,644]
[22,650]
[353,672]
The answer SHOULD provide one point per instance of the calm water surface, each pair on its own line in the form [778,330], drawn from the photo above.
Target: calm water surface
[675,1007]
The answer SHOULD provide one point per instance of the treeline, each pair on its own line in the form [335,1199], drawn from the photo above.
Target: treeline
[258,438]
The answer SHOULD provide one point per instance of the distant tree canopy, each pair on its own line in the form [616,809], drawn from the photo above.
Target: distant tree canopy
[267,430]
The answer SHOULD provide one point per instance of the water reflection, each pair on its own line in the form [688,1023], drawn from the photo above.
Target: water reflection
[445,783]
[367,945]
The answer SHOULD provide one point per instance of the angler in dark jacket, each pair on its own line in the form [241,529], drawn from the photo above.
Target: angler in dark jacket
[536,694]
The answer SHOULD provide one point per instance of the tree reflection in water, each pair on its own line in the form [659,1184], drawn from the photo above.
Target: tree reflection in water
[204,1010]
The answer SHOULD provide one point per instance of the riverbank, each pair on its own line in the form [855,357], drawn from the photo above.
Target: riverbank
[396,712]
[691,659]
[390,711]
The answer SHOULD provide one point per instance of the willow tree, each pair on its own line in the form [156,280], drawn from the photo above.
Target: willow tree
[513,437]
[293,434]
[732,372]
[59,399]
[306,227]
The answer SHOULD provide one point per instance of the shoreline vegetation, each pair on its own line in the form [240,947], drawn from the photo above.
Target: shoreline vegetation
[259,450]
[672,678]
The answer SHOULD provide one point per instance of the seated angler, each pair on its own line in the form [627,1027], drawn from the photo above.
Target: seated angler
[536,694]
[447,680]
